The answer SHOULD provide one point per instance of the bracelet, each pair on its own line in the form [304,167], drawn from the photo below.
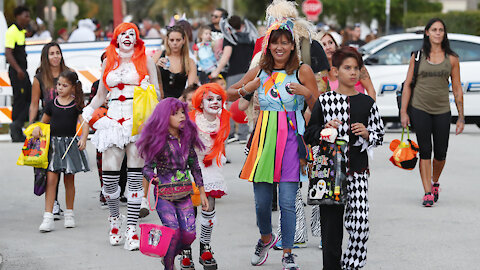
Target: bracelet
[239,92]
[461,120]
[248,96]
[245,92]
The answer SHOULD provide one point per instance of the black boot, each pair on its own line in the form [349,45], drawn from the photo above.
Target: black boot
[186,261]
[206,257]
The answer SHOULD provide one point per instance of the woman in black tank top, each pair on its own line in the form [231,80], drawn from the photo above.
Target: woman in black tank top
[176,66]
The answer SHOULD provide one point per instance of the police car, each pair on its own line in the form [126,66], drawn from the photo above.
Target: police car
[387,59]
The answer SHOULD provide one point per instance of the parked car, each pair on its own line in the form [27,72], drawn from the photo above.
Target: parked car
[387,59]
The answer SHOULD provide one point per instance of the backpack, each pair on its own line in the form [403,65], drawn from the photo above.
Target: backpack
[418,56]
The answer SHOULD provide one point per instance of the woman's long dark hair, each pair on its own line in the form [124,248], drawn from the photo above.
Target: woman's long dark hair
[44,68]
[427,46]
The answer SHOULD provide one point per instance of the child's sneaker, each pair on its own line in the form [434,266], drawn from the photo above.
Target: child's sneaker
[186,261]
[144,211]
[69,221]
[47,223]
[428,199]
[115,227]
[288,262]
[103,202]
[57,211]
[435,191]
[132,242]
[261,250]
[206,257]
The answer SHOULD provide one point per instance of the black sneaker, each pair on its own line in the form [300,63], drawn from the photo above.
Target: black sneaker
[57,211]
[186,262]
[206,257]
[123,200]
[103,201]
[428,199]
[288,262]
[435,191]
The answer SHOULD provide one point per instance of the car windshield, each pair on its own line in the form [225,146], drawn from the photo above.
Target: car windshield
[367,48]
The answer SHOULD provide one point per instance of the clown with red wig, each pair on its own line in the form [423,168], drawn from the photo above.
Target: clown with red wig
[213,126]
[125,67]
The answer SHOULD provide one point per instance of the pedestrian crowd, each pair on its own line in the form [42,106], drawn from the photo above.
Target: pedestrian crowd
[299,87]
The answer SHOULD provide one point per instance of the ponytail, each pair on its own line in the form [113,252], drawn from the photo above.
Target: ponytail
[72,77]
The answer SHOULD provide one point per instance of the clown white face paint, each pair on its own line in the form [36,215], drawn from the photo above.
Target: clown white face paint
[212,105]
[126,40]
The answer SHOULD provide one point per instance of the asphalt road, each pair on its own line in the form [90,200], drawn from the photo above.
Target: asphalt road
[403,234]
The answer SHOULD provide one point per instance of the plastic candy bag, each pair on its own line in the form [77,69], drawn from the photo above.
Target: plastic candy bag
[35,151]
[144,102]
[328,183]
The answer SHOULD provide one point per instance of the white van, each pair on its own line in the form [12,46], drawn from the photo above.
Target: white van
[387,59]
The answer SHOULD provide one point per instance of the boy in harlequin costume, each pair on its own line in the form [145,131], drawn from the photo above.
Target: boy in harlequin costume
[213,125]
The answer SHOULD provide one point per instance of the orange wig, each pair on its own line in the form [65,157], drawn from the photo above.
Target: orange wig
[139,58]
[219,144]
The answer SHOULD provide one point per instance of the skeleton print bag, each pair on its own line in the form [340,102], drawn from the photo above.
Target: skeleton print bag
[328,183]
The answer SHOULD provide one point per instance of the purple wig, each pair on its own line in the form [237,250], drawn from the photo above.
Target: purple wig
[154,133]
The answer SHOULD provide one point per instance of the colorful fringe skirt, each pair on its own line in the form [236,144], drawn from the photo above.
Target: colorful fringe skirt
[273,153]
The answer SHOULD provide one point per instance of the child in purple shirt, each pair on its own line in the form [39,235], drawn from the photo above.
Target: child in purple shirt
[167,144]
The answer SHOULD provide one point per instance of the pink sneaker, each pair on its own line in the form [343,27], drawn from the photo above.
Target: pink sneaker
[428,200]
[435,191]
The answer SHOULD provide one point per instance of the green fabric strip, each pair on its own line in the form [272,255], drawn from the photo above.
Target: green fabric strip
[266,165]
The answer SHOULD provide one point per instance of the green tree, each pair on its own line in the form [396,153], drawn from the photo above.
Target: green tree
[367,10]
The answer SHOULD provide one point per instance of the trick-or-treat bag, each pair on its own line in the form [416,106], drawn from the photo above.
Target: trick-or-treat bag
[35,151]
[404,152]
[327,184]
[144,101]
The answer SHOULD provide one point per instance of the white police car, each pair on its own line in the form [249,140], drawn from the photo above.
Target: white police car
[387,59]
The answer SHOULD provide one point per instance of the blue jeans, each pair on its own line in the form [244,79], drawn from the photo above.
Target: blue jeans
[263,206]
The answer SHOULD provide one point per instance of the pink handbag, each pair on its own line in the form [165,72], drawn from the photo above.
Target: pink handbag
[154,239]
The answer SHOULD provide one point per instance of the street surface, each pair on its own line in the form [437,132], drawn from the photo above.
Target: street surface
[403,234]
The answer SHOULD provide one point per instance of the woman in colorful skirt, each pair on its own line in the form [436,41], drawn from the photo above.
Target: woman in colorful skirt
[283,87]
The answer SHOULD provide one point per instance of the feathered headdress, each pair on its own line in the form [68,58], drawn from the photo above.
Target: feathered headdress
[284,24]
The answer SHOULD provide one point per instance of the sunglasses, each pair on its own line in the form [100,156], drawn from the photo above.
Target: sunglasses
[214,16]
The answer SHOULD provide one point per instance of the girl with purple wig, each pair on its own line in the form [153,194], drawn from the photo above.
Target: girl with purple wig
[167,144]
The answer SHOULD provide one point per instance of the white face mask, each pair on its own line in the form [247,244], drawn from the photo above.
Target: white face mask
[212,104]
[126,40]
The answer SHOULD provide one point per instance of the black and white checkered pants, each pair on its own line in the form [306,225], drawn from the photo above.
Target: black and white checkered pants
[356,221]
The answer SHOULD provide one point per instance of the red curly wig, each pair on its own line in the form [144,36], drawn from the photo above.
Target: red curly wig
[139,58]
[219,144]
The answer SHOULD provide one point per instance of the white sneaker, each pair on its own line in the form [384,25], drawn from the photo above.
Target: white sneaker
[69,221]
[47,223]
[132,242]
[144,211]
[115,229]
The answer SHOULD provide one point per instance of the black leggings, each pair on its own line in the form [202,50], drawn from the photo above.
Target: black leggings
[427,125]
